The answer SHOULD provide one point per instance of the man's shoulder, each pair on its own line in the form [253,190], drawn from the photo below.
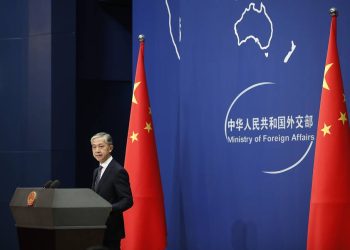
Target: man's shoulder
[115,165]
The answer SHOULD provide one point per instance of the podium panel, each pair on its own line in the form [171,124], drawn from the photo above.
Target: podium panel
[60,239]
[59,219]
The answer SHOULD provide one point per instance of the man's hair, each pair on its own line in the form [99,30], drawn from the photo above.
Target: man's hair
[105,136]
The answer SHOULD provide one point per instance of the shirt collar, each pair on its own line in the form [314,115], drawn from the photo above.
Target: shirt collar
[106,163]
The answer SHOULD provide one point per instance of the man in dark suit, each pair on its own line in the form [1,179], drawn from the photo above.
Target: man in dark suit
[111,182]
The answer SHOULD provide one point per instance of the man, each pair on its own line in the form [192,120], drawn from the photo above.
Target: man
[111,182]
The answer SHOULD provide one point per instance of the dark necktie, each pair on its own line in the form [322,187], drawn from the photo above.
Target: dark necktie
[98,177]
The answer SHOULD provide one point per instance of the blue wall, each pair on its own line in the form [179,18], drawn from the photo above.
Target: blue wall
[203,82]
[37,99]
[103,87]
[65,72]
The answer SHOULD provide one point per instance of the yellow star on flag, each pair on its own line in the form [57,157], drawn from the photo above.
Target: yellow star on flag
[133,93]
[148,127]
[326,129]
[342,117]
[134,136]
[325,84]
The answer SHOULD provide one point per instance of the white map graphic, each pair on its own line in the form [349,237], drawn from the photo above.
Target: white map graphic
[180,34]
[293,47]
[262,11]
[171,30]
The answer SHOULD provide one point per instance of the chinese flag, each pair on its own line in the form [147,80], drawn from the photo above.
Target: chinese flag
[329,218]
[145,226]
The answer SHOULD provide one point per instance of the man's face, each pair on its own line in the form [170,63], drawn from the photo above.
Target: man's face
[101,150]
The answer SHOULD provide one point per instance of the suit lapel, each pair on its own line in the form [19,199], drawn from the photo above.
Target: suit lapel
[94,179]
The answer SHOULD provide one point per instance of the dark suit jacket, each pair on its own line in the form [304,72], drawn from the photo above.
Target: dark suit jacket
[115,188]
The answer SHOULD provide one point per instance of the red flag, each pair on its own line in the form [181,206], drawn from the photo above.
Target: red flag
[329,218]
[145,222]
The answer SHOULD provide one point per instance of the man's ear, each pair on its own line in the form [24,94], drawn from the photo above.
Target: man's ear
[110,148]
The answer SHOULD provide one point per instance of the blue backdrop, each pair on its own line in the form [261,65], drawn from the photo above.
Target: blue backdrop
[235,90]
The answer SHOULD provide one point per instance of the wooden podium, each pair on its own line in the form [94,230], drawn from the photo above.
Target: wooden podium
[59,219]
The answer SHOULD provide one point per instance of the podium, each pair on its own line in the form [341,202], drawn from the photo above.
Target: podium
[59,219]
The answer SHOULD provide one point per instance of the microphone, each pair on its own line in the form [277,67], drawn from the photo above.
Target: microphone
[47,184]
[55,184]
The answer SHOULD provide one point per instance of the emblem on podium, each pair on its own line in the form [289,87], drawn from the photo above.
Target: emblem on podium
[31,198]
